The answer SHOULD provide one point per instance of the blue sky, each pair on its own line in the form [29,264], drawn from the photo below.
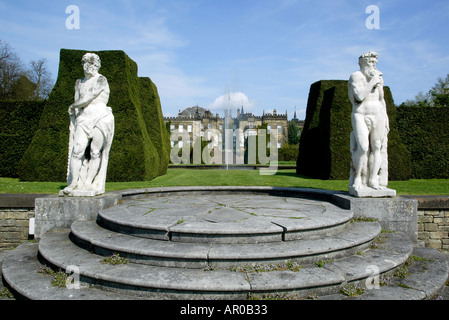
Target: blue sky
[270,52]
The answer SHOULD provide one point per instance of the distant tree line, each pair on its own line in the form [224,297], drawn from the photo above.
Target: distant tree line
[23,82]
[438,96]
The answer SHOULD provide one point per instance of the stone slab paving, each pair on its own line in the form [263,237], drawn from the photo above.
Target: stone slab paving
[205,217]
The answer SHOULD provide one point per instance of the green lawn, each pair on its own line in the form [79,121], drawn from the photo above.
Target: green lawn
[212,177]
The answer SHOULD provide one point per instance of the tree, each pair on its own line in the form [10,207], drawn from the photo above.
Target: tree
[11,69]
[440,92]
[22,89]
[293,134]
[438,96]
[421,100]
[41,77]
[18,83]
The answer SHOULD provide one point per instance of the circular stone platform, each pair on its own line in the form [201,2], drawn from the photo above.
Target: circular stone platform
[162,269]
[218,217]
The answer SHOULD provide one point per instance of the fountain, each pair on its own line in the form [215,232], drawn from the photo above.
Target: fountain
[228,130]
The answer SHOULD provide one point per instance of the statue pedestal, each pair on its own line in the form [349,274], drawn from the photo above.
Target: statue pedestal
[80,193]
[367,192]
[394,214]
[55,212]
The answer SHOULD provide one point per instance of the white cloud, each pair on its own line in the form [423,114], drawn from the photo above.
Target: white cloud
[232,100]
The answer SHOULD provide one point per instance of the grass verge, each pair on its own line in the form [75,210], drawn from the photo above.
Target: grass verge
[213,177]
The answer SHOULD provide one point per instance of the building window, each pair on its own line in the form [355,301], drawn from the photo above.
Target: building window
[279,129]
[189,128]
[209,126]
[181,128]
[268,129]
[172,127]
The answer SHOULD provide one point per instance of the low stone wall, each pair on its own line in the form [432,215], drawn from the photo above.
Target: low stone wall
[433,222]
[14,226]
[16,210]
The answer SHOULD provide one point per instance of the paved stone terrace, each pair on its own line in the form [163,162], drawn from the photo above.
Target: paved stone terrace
[256,218]
[237,212]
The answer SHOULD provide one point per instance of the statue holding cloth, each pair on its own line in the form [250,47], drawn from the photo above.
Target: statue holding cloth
[91,132]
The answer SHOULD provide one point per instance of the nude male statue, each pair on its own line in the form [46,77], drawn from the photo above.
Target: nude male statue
[91,131]
[370,126]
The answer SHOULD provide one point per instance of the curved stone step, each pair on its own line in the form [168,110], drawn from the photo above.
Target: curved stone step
[391,253]
[20,273]
[356,237]
[154,282]
[225,218]
[177,283]
[428,272]
[425,281]
[90,236]
[427,275]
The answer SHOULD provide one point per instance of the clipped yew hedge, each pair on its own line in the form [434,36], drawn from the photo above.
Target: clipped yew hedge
[324,148]
[19,122]
[288,152]
[140,149]
[425,131]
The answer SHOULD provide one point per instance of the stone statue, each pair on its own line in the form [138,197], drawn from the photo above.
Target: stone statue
[91,132]
[369,138]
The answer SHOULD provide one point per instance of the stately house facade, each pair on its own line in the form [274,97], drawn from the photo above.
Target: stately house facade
[196,122]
